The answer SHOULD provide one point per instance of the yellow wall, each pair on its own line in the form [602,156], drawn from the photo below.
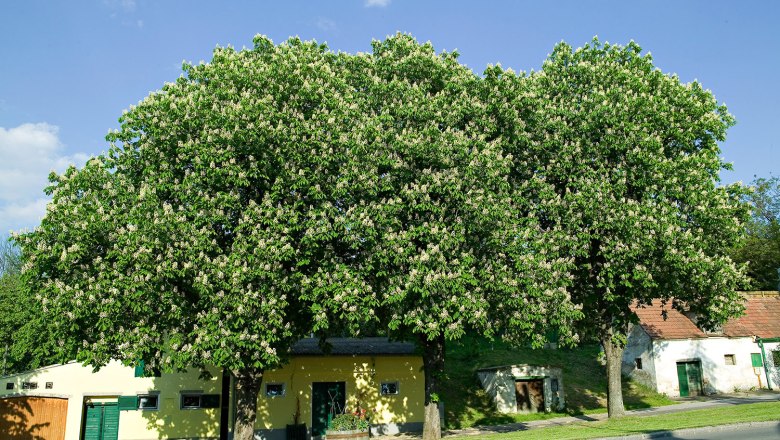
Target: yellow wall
[362,374]
[77,383]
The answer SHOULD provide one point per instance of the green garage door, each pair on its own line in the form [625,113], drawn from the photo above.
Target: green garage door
[101,421]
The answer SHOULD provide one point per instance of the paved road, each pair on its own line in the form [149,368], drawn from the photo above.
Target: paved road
[736,432]
[749,431]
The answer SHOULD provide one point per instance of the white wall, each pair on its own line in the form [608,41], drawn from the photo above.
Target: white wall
[639,345]
[717,377]
[773,369]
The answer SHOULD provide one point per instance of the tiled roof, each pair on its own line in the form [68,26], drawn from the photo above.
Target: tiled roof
[675,326]
[353,346]
[761,318]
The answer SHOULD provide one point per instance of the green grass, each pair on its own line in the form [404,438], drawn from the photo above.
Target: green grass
[584,381]
[756,412]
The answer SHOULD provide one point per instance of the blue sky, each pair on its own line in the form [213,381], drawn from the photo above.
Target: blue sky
[69,68]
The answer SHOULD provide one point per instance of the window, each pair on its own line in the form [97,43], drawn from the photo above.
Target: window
[638,363]
[29,385]
[388,388]
[274,389]
[148,401]
[196,401]
[9,385]
[756,360]
[49,385]
[729,359]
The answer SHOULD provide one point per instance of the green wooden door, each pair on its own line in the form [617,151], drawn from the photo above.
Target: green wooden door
[101,422]
[682,377]
[327,399]
[694,378]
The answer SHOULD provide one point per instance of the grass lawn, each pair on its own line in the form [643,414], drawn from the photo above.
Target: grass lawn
[724,415]
[584,382]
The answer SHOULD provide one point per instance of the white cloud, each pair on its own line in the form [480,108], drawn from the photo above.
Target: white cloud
[28,153]
[377,3]
[326,24]
[123,5]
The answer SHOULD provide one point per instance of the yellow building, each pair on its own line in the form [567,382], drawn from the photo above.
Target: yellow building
[71,402]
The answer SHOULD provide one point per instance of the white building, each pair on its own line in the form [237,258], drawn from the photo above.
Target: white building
[675,357]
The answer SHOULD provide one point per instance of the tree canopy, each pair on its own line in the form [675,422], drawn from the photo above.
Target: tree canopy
[215,214]
[286,189]
[633,157]
[761,248]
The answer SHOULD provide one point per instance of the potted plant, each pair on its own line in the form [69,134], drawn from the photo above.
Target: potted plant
[349,426]
[297,431]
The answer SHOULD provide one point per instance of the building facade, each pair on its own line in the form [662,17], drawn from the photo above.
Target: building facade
[73,402]
[674,356]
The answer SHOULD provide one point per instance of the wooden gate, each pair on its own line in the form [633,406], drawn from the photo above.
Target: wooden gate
[28,418]
[530,395]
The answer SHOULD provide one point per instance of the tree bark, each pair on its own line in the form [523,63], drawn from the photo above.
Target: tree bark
[614,356]
[433,364]
[248,382]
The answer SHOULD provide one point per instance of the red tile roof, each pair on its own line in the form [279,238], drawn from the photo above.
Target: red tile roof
[761,318]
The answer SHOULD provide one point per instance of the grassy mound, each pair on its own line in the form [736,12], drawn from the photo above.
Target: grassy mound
[584,382]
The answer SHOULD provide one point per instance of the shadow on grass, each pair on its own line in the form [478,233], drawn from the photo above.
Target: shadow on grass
[584,382]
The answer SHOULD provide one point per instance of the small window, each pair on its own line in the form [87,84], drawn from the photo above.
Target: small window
[274,389]
[29,385]
[776,357]
[554,385]
[388,388]
[729,359]
[195,401]
[49,385]
[638,363]
[9,385]
[148,401]
[756,360]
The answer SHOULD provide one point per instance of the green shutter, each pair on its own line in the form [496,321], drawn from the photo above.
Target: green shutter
[93,422]
[126,403]
[110,422]
[757,361]
[209,401]
[139,369]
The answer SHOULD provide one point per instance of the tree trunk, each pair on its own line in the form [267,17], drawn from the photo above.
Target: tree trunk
[433,364]
[248,382]
[614,355]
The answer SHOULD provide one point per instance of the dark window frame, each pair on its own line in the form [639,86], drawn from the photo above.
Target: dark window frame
[276,384]
[386,391]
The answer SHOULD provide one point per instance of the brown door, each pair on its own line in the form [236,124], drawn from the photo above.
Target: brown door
[27,418]
[530,395]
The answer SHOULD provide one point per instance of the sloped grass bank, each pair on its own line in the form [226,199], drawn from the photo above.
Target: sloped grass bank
[725,415]
[584,380]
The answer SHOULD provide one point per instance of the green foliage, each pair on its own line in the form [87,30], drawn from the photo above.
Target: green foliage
[25,342]
[217,211]
[761,248]
[444,235]
[349,422]
[632,160]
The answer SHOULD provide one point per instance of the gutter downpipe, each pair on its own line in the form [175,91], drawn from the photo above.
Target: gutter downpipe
[760,342]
